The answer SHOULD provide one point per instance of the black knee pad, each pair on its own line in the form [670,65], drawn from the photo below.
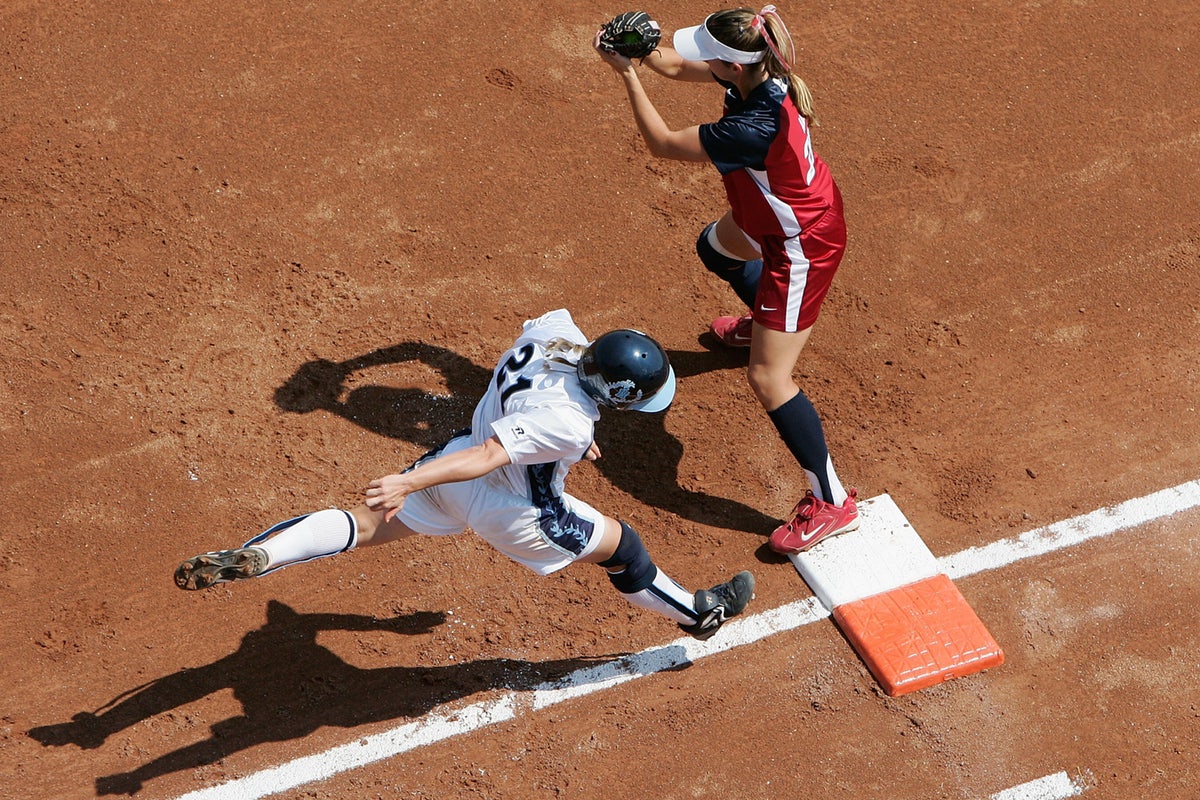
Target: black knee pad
[639,570]
[712,260]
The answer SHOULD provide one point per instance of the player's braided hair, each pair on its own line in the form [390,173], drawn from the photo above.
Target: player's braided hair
[751,31]
[564,351]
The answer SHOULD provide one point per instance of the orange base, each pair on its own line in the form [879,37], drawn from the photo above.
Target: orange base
[918,635]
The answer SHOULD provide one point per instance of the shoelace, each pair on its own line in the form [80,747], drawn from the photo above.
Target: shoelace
[809,505]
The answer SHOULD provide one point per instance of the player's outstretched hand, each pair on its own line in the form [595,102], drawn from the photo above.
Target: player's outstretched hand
[387,494]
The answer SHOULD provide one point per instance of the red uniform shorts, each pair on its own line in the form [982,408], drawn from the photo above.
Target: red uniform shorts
[797,273]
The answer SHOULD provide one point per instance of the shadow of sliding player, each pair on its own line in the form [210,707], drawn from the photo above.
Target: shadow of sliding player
[289,686]
[644,457]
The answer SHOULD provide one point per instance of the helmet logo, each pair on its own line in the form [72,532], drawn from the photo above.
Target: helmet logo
[622,393]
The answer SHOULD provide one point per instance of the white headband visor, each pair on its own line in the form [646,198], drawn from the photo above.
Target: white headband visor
[697,44]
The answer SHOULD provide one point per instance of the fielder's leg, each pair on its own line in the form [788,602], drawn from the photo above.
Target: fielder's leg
[741,275]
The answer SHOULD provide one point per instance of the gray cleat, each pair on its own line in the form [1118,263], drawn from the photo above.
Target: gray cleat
[209,569]
[717,605]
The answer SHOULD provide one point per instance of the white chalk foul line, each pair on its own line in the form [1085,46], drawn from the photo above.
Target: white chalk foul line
[1073,531]
[443,725]
[436,727]
[1058,786]
[427,730]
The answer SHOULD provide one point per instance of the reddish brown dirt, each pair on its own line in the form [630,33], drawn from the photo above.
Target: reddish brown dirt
[254,256]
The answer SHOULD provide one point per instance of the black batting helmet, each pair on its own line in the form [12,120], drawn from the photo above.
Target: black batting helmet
[628,370]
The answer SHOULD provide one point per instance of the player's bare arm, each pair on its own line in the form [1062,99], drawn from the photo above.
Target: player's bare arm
[681,145]
[667,62]
[388,493]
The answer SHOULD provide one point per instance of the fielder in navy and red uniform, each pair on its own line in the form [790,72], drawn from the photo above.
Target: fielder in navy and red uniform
[783,237]
[504,478]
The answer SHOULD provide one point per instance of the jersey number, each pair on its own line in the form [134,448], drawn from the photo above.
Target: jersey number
[506,380]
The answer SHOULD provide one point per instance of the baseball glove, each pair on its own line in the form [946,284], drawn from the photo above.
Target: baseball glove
[632,34]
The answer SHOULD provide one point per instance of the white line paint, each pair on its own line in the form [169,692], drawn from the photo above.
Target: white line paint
[443,725]
[679,652]
[439,726]
[1073,531]
[427,730]
[1052,787]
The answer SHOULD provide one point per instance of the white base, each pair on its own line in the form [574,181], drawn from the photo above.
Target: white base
[885,553]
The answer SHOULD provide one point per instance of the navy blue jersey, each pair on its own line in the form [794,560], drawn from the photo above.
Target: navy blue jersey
[776,184]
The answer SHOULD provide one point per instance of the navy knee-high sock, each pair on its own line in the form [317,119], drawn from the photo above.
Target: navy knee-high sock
[742,276]
[800,428]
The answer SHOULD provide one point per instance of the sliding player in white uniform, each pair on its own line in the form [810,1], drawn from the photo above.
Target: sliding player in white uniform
[504,479]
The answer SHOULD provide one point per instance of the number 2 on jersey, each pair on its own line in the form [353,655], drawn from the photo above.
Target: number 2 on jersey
[507,380]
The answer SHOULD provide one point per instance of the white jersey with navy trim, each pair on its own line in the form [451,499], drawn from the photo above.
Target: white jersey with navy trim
[537,408]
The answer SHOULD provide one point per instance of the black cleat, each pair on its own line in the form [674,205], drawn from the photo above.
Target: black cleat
[723,602]
[209,569]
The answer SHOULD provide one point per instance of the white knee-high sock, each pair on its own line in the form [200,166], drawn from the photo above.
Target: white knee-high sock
[317,535]
[665,597]
[837,492]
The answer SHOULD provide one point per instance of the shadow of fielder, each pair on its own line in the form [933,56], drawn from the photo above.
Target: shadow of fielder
[289,686]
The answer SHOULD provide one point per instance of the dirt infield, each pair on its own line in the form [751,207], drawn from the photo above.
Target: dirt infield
[254,257]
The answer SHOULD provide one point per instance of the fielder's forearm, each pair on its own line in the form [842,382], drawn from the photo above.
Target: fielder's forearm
[681,145]
[667,62]
[650,123]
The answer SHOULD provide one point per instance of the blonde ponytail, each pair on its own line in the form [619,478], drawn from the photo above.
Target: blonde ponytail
[743,29]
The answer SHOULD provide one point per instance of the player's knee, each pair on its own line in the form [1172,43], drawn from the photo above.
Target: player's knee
[772,378]
[639,569]
[366,522]
[713,260]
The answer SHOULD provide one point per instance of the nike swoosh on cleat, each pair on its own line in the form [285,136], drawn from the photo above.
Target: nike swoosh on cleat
[813,533]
